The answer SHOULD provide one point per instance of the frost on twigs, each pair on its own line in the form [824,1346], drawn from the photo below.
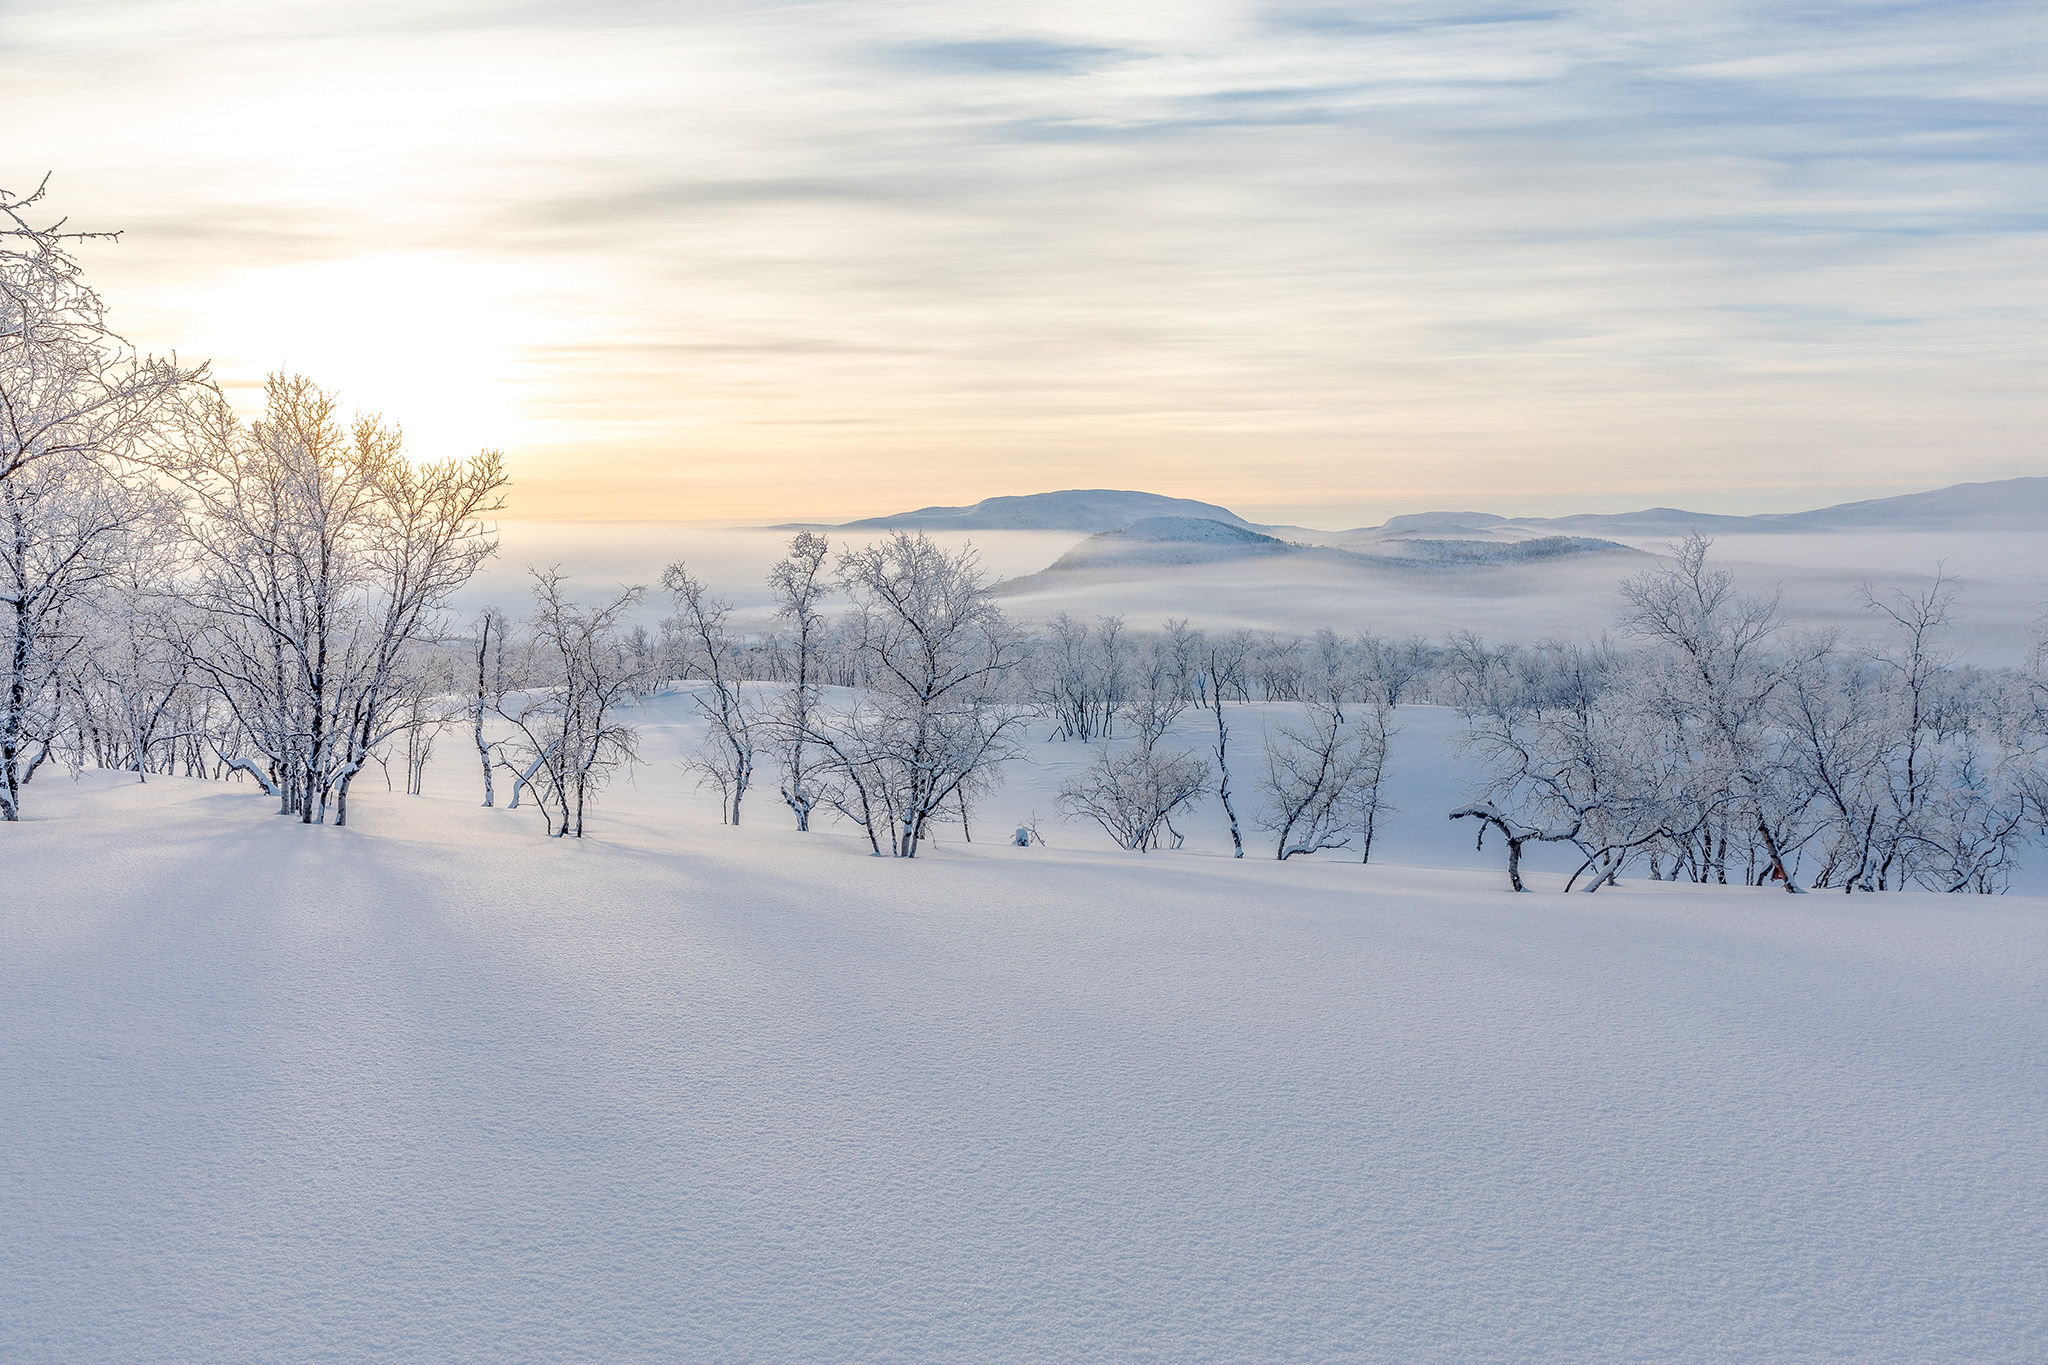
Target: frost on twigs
[938,712]
[1322,779]
[78,410]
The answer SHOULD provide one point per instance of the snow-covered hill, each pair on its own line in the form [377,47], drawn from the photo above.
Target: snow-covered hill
[1165,544]
[2003,505]
[1162,542]
[436,1088]
[1465,553]
[1086,510]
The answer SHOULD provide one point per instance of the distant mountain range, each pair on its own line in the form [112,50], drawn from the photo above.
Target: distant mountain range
[2007,504]
[1086,510]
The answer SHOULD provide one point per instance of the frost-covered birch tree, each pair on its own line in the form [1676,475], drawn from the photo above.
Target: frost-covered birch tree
[568,733]
[64,524]
[1322,776]
[1719,682]
[941,710]
[1224,663]
[322,555]
[76,401]
[702,647]
[489,680]
[1132,789]
[801,582]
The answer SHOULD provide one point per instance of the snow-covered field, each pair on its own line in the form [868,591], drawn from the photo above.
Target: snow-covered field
[433,1088]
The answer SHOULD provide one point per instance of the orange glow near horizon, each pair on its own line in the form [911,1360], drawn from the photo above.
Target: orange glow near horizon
[843,260]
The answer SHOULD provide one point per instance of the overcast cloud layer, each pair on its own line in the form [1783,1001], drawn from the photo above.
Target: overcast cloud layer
[1320,262]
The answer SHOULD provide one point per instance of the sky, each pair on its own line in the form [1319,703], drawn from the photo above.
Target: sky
[1320,263]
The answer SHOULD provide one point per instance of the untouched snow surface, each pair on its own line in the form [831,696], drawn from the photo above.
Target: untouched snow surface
[433,1088]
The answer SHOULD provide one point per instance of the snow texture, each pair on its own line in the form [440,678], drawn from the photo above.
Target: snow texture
[435,1088]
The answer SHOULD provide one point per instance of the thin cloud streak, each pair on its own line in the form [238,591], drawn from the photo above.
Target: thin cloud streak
[1268,256]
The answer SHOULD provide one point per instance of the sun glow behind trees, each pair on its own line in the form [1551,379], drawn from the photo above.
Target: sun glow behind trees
[436,337]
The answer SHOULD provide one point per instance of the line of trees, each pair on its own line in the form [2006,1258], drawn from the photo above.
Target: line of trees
[1709,742]
[1726,745]
[897,711]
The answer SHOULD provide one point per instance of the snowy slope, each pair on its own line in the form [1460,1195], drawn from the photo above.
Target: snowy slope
[433,1088]
[2004,504]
